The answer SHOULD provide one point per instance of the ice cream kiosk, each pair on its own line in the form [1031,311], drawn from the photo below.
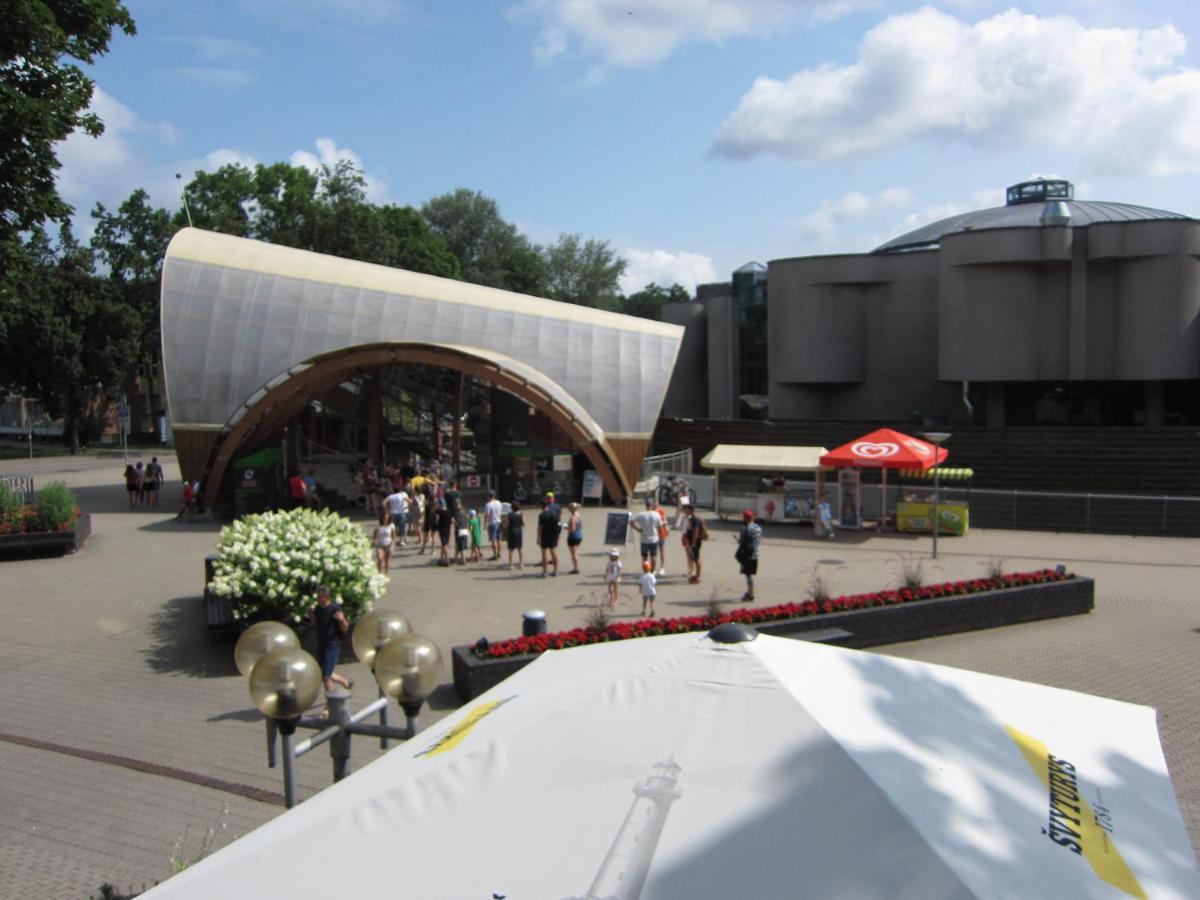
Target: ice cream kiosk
[781,484]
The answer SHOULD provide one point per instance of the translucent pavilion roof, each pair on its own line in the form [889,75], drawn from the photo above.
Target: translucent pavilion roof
[238,315]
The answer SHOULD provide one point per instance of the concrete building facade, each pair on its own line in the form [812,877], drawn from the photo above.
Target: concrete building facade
[1044,311]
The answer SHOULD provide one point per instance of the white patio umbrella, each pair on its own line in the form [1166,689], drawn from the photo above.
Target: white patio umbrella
[681,767]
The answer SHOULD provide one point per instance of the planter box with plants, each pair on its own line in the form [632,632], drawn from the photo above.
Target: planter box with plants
[860,620]
[51,524]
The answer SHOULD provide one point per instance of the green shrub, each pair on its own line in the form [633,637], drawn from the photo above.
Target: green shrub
[55,508]
[269,565]
[11,509]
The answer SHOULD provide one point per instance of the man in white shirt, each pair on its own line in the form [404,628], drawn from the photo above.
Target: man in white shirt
[648,523]
[396,504]
[493,515]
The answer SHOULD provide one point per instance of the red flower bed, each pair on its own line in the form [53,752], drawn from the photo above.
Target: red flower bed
[751,615]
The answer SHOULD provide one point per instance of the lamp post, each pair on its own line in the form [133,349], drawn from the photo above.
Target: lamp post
[937,438]
[284,681]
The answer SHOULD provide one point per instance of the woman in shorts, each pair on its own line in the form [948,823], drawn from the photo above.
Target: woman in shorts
[574,535]
[383,542]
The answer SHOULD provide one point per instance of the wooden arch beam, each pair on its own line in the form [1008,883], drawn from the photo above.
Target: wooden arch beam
[293,393]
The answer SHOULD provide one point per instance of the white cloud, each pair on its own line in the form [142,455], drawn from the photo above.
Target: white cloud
[896,198]
[134,153]
[665,268]
[821,226]
[1119,97]
[330,154]
[101,168]
[623,33]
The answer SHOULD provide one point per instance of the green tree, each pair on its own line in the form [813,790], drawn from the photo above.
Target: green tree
[648,302]
[44,97]
[489,250]
[325,211]
[584,272]
[130,243]
[224,200]
[71,335]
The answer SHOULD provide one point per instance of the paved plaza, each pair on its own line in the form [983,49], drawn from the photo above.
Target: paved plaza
[126,733]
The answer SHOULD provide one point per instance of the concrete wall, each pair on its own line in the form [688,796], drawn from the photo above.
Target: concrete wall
[687,395]
[887,336]
[722,336]
[854,337]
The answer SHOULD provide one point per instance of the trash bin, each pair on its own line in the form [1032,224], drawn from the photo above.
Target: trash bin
[533,621]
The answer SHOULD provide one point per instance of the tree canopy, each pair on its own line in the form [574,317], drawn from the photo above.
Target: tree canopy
[44,97]
[648,302]
[489,250]
[586,272]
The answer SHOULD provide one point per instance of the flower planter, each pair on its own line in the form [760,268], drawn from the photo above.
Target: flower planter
[47,543]
[860,628]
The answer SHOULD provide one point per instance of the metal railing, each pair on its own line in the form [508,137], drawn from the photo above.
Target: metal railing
[1134,514]
[679,463]
[21,485]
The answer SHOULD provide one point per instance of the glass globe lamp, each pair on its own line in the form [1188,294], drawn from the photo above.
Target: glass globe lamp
[260,639]
[375,628]
[285,682]
[408,669]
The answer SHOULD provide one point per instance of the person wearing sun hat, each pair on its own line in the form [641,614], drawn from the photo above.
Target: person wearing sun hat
[612,576]
[747,551]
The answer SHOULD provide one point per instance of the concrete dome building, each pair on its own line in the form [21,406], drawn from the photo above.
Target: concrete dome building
[1045,311]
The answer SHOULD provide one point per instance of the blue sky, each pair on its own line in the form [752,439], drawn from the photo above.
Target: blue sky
[694,135]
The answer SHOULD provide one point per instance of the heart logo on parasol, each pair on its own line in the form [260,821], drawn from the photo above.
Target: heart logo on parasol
[870,450]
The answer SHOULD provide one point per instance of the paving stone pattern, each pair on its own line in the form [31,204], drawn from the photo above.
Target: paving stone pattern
[107,651]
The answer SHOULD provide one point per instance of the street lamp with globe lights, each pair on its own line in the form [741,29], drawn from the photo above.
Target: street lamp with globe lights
[285,681]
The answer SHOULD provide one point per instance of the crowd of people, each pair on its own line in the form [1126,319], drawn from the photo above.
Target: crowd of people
[418,505]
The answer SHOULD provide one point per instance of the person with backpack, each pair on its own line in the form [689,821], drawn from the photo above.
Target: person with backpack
[747,551]
[695,533]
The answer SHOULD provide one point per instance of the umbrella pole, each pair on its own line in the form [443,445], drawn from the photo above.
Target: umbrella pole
[883,500]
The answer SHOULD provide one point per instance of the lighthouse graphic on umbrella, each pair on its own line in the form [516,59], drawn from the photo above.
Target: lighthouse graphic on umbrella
[623,871]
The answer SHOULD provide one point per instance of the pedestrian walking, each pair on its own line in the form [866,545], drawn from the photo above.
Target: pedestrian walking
[140,476]
[131,485]
[747,551]
[462,533]
[664,532]
[695,533]
[330,624]
[443,523]
[574,534]
[297,489]
[516,535]
[548,534]
[612,576]
[383,543]
[154,480]
[493,514]
[649,585]
[396,504]
[475,522]
[647,523]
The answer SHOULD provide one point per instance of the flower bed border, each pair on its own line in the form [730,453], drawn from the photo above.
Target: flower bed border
[47,543]
[865,627]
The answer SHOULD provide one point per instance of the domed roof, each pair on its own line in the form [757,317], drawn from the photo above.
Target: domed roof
[1029,206]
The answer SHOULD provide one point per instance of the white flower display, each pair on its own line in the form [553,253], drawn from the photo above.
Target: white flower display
[269,565]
